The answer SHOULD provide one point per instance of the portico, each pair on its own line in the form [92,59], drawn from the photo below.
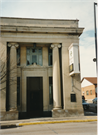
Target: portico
[38,50]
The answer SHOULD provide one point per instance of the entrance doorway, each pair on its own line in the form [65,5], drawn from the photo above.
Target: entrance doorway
[34,97]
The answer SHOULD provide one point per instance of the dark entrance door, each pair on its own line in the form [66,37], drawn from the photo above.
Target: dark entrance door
[34,97]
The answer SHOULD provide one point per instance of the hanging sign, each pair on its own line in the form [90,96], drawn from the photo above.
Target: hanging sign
[73,59]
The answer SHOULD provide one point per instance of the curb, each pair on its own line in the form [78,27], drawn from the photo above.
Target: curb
[8,126]
[53,122]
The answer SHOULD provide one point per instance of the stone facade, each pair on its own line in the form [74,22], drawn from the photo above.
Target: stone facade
[57,35]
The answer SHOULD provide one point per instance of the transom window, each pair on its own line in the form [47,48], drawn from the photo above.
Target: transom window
[34,55]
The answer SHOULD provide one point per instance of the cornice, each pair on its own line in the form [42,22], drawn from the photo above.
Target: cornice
[29,29]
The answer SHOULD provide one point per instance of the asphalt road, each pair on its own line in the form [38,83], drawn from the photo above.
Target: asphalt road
[81,128]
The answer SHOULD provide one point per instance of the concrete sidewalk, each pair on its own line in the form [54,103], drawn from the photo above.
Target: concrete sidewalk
[48,120]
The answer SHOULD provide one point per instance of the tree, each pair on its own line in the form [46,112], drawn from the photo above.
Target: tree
[8,78]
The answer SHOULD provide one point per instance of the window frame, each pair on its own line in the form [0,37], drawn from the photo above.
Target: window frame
[90,92]
[50,63]
[87,92]
[30,54]
[18,91]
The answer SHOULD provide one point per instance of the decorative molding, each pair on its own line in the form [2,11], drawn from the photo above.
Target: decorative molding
[30,29]
[13,44]
[55,45]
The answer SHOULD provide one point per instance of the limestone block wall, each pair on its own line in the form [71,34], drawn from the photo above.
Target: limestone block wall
[3,76]
[70,86]
[59,38]
[63,32]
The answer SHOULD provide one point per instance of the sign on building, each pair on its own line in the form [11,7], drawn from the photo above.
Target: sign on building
[74,59]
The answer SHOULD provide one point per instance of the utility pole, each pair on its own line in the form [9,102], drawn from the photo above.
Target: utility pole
[95,59]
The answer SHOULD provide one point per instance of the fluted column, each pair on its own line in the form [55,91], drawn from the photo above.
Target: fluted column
[13,77]
[56,77]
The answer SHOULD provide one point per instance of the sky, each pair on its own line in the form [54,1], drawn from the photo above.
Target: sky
[83,10]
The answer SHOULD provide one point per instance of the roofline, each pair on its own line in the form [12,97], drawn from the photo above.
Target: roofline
[87,77]
[82,79]
[39,19]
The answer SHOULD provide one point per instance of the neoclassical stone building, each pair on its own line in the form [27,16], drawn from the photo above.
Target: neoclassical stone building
[38,82]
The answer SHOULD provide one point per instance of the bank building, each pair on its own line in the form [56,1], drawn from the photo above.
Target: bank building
[40,68]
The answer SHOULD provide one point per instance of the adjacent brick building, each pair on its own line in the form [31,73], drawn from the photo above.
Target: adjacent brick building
[89,91]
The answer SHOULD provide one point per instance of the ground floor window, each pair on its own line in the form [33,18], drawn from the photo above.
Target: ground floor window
[50,91]
[18,91]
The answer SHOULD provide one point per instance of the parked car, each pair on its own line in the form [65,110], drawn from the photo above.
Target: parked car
[85,105]
[95,100]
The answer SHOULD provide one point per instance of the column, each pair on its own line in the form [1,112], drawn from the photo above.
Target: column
[56,77]
[13,77]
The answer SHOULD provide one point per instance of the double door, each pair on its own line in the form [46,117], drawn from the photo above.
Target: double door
[34,97]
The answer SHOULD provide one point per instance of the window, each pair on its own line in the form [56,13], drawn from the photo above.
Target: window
[87,92]
[50,91]
[90,92]
[50,56]
[34,55]
[18,56]
[73,97]
[18,91]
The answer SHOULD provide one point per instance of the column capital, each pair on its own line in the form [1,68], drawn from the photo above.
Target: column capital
[55,45]
[13,44]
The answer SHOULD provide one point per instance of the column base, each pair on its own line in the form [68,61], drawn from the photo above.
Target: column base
[9,115]
[67,113]
[13,109]
[58,113]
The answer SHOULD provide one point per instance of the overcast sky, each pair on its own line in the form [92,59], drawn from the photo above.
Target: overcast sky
[61,9]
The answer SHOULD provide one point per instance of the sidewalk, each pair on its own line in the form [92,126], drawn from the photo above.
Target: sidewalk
[48,120]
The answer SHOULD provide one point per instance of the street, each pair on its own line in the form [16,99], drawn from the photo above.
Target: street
[80,128]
